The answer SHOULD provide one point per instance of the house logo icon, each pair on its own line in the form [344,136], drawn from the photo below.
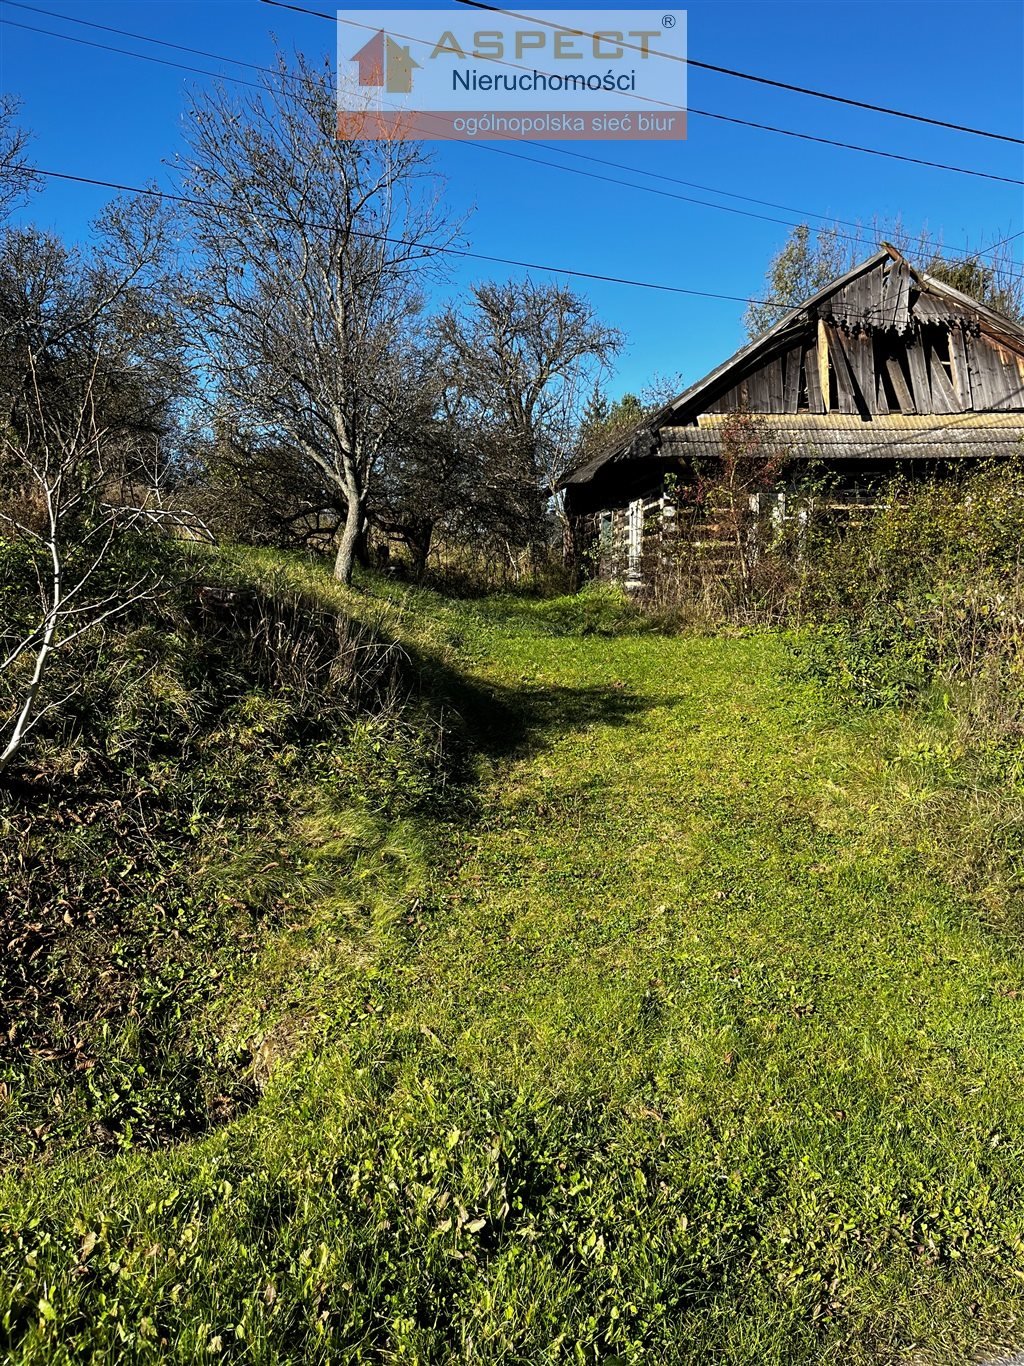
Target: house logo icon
[383,62]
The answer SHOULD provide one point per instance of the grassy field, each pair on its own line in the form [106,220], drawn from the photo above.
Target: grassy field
[666,1039]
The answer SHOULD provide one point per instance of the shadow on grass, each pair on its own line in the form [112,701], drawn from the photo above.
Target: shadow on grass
[502,722]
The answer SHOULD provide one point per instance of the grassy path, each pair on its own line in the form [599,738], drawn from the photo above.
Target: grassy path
[696,900]
[687,1055]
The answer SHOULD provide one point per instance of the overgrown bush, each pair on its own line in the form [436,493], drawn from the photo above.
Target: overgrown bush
[474,569]
[148,836]
[928,590]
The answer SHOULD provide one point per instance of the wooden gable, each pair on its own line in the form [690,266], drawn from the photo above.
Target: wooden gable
[883,345]
[883,342]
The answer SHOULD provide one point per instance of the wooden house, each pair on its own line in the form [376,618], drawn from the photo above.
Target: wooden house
[886,369]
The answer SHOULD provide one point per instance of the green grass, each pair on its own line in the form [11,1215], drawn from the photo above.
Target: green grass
[675,1045]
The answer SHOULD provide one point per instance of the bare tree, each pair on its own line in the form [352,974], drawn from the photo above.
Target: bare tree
[524,358]
[55,482]
[91,368]
[61,307]
[16,175]
[312,253]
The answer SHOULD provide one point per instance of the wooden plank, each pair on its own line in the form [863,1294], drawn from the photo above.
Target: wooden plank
[901,317]
[978,385]
[890,297]
[823,380]
[899,385]
[961,370]
[794,377]
[944,399]
[862,361]
[918,367]
[897,297]
[757,391]
[849,399]
[776,386]
[983,384]
[877,293]
[884,319]
[812,379]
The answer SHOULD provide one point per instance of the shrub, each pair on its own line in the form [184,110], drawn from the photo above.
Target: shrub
[927,590]
[147,839]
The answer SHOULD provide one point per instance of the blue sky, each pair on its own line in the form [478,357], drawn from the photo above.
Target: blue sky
[100,114]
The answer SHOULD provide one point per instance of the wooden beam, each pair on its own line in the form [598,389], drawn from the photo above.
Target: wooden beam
[899,385]
[813,380]
[944,399]
[823,383]
[919,375]
[961,369]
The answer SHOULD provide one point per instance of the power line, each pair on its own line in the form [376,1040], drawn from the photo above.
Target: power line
[253,66]
[760,80]
[142,56]
[856,104]
[126,33]
[426,248]
[483,147]
[266,70]
[704,113]
[829,220]
[724,208]
[848,146]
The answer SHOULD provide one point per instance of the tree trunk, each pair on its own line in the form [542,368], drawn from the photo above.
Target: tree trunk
[419,544]
[349,542]
[572,547]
